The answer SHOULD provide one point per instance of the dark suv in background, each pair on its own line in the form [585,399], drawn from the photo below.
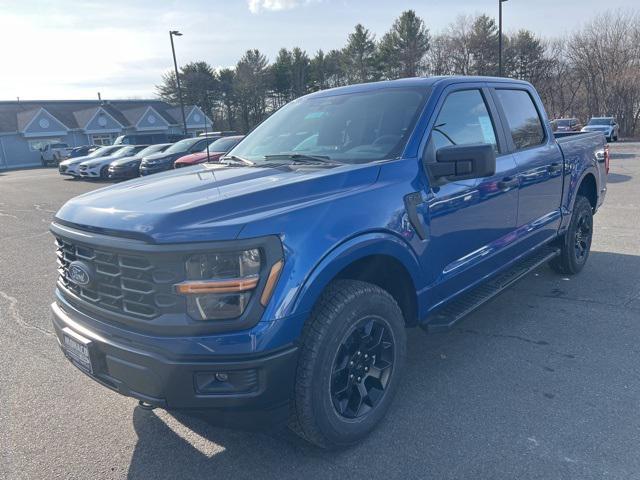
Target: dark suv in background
[129,167]
[160,162]
[567,125]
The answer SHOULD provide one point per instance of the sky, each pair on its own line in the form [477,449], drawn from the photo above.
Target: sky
[72,49]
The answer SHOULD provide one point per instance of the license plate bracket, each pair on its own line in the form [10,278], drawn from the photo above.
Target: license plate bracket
[77,349]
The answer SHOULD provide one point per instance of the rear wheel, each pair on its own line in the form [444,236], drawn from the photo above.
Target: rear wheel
[576,242]
[352,354]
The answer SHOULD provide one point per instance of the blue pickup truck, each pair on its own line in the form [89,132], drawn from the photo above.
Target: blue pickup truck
[283,280]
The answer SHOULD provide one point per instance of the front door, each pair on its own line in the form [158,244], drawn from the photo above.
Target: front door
[471,222]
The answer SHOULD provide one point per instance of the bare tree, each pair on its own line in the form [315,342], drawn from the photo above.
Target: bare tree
[606,55]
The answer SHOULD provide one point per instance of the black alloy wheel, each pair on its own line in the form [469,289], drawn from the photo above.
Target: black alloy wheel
[362,368]
[575,244]
[352,352]
[583,236]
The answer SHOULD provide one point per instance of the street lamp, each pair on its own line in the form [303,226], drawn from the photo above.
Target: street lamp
[176,33]
[500,2]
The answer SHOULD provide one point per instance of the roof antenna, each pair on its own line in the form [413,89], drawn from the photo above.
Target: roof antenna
[205,136]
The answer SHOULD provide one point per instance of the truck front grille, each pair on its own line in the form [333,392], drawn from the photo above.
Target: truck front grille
[121,283]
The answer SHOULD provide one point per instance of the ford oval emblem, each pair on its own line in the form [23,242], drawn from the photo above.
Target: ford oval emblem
[79,273]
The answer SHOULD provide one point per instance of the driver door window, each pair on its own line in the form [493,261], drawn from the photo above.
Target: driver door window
[464,119]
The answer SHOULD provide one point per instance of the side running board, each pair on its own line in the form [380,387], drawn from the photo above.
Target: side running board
[449,314]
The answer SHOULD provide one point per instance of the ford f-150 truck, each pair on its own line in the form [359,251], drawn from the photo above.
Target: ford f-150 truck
[282,280]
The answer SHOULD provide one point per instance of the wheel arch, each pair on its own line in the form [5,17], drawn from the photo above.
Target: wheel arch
[378,258]
[589,188]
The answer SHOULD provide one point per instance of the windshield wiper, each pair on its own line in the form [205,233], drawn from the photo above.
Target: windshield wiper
[300,158]
[235,160]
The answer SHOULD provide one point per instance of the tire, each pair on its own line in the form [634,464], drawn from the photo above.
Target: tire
[576,242]
[338,361]
[104,172]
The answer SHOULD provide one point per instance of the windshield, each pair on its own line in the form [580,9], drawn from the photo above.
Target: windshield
[346,128]
[102,151]
[223,144]
[182,145]
[600,121]
[151,149]
[124,152]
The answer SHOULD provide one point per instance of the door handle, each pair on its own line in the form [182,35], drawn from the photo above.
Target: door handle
[555,167]
[508,182]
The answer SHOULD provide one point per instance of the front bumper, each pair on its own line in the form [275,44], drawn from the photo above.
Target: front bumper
[70,170]
[124,172]
[256,383]
[89,173]
[149,169]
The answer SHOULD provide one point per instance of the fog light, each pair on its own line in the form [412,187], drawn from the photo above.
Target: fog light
[236,381]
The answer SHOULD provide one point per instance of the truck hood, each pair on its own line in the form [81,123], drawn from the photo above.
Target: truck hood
[208,202]
[598,128]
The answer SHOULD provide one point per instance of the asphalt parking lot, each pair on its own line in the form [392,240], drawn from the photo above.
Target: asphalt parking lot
[542,382]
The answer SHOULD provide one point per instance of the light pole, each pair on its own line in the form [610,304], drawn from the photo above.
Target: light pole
[176,33]
[500,2]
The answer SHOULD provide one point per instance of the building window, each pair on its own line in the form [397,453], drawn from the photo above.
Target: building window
[104,139]
[36,145]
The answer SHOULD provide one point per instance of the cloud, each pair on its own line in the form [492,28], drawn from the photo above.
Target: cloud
[256,6]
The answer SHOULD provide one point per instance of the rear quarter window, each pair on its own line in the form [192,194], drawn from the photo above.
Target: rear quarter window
[523,118]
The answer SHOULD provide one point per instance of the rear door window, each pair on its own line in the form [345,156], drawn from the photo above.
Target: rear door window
[523,118]
[464,119]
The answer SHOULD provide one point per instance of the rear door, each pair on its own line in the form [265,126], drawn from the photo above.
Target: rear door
[472,221]
[540,165]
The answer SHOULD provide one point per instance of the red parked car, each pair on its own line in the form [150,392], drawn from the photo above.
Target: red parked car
[217,149]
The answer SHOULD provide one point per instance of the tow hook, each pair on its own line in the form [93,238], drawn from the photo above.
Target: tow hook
[145,406]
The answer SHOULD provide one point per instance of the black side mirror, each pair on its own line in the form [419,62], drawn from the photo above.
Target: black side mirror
[462,162]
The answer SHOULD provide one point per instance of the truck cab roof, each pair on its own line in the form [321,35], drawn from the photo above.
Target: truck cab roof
[426,82]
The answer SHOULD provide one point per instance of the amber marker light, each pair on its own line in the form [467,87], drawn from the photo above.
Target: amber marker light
[272,279]
[218,286]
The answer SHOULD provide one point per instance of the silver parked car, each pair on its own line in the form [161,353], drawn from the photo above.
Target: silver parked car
[606,125]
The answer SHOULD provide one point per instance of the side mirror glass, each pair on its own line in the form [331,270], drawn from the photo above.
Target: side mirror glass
[463,162]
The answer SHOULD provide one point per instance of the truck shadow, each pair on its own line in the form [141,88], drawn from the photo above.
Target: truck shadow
[516,370]
[618,178]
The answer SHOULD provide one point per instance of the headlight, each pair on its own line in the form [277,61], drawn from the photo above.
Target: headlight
[219,286]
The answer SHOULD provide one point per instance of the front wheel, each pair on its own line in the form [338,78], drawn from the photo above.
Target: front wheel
[352,354]
[104,172]
[576,242]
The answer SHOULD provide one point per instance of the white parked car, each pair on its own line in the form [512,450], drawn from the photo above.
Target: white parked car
[70,166]
[99,167]
[607,125]
[54,153]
